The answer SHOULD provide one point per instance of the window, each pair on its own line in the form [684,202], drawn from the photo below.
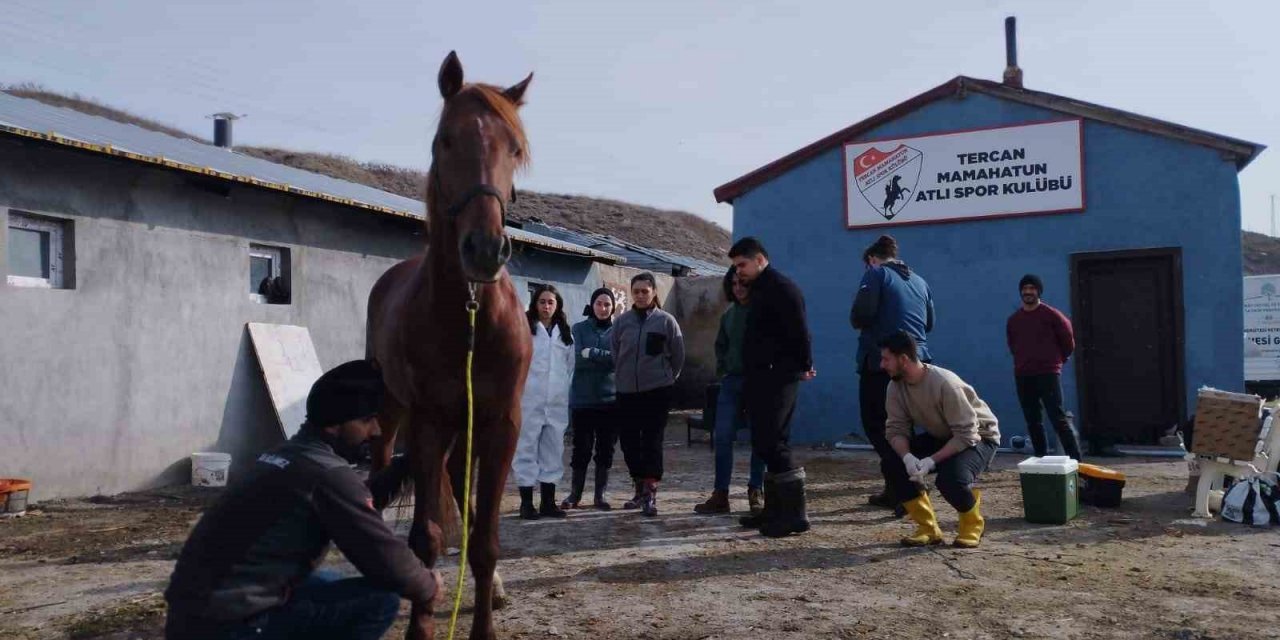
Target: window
[38,252]
[269,274]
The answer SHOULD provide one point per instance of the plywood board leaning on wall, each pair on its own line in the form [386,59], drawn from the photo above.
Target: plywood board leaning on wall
[289,366]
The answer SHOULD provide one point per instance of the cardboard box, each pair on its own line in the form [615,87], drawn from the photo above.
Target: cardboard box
[1227,424]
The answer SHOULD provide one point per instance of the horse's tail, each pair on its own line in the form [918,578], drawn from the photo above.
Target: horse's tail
[451,518]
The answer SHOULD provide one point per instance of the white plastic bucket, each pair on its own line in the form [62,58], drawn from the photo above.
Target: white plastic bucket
[210,469]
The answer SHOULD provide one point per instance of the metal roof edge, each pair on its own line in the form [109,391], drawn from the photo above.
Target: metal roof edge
[538,240]
[55,138]
[526,237]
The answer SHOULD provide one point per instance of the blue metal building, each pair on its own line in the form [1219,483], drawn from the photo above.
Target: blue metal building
[1137,240]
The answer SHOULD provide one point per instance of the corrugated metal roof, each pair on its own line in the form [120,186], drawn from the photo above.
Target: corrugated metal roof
[637,256]
[29,118]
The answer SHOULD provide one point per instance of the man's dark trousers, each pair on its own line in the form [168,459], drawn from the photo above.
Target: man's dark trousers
[325,606]
[873,386]
[1046,389]
[955,475]
[770,404]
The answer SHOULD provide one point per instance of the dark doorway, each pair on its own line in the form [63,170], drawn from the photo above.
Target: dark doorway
[1127,312]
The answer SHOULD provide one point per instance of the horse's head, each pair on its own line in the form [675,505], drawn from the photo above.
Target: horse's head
[478,147]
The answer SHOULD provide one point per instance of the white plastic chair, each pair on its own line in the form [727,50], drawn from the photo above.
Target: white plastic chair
[1213,471]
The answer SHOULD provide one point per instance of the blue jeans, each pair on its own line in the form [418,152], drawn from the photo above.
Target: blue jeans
[326,606]
[730,417]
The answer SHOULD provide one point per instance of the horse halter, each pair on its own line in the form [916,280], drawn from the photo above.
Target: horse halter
[481,189]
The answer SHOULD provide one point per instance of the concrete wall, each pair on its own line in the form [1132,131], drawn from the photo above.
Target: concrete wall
[1142,191]
[111,385]
[697,304]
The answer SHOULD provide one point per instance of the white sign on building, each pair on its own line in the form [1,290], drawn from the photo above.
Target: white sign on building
[1262,327]
[987,173]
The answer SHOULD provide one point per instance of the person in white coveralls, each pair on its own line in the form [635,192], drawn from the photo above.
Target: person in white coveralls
[545,405]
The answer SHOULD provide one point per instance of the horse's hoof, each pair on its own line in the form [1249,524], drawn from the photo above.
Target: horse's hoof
[500,601]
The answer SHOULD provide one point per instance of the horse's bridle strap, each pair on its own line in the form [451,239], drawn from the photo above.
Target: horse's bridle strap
[482,189]
[478,190]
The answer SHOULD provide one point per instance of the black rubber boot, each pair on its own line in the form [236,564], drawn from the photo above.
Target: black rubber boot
[549,508]
[602,484]
[790,515]
[527,511]
[575,490]
[883,499]
[634,502]
[755,521]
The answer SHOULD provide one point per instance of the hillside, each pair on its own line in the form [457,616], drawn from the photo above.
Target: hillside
[1261,254]
[675,231]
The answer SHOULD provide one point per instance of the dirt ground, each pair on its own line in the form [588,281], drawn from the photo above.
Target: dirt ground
[95,568]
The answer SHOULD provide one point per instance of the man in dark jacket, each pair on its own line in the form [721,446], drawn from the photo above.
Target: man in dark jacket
[776,356]
[248,569]
[891,298]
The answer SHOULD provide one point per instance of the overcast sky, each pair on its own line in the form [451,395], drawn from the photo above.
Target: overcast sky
[651,102]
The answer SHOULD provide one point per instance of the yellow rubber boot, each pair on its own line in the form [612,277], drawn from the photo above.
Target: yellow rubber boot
[969,532]
[927,532]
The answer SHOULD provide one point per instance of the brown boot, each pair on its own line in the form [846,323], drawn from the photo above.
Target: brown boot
[716,504]
[649,501]
[755,499]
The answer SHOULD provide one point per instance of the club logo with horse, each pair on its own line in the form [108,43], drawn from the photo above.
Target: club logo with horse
[893,174]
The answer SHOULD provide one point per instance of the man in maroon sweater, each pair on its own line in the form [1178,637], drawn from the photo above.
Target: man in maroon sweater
[1041,340]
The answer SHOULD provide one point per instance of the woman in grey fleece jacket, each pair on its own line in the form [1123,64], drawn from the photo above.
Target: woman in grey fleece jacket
[648,354]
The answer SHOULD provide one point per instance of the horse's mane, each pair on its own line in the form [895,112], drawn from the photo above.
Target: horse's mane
[496,101]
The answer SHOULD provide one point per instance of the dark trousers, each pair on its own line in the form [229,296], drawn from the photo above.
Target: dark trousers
[593,431]
[770,404]
[956,474]
[873,386]
[323,607]
[642,423]
[1034,391]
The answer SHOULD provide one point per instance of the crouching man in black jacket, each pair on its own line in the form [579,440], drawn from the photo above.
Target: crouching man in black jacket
[248,569]
[777,356]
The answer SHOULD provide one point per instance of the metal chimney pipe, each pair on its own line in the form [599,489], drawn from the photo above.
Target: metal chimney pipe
[1012,73]
[222,128]
[222,133]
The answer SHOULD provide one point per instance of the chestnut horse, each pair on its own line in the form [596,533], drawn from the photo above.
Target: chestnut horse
[418,332]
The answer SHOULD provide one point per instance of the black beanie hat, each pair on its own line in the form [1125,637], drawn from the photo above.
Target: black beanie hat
[1033,280]
[602,291]
[346,392]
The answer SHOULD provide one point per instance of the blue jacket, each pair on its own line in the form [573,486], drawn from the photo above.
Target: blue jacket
[890,299]
[593,384]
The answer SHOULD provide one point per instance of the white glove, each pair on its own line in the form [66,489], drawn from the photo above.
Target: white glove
[586,353]
[923,468]
[912,463]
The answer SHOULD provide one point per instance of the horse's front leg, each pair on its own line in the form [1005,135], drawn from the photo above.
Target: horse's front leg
[495,462]
[425,535]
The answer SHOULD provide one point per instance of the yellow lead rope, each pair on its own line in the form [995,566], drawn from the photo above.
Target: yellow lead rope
[472,307]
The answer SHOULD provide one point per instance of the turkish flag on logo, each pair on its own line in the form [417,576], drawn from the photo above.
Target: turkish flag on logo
[869,159]
[887,179]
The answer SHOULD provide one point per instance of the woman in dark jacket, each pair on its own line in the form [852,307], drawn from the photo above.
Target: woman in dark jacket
[591,399]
